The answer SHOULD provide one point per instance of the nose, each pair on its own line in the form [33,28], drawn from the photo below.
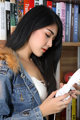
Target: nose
[49,43]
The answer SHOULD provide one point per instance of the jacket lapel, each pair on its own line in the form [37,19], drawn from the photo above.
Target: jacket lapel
[29,84]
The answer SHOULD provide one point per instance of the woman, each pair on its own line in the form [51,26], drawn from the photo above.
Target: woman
[28,65]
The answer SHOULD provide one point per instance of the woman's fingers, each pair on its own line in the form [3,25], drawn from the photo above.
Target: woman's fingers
[61,85]
[63,97]
[52,94]
[77,87]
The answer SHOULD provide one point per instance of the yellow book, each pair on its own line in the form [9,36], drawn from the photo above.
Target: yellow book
[73,109]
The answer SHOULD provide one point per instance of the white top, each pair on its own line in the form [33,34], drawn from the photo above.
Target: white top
[41,88]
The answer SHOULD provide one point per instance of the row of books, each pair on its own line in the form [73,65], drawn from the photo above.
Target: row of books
[67,1]
[11,12]
[69,14]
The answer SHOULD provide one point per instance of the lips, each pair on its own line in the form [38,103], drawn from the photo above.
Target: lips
[44,50]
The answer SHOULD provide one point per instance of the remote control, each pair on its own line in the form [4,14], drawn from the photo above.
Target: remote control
[75,78]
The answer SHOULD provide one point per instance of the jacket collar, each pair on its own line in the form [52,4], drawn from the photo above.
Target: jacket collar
[10,57]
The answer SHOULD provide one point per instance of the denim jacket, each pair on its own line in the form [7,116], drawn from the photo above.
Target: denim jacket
[19,99]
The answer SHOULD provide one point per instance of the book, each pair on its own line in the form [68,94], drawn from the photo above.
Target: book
[68,22]
[75,29]
[61,11]
[26,6]
[3,35]
[68,111]
[12,16]
[20,8]
[72,23]
[79,27]
[78,107]
[74,112]
[31,4]
[54,7]
[49,4]
[45,2]
[36,2]
[69,1]
[7,9]
[40,2]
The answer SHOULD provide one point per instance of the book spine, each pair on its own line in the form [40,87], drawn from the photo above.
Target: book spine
[3,35]
[45,2]
[58,8]
[68,22]
[12,16]
[7,9]
[49,4]
[79,27]
[68,111]
[69,1]
[72,23]
[26,6]
[16,13]
[63,18]
[31,4]
[73,109]
[20,8]
[61,11]
[40,2]
[36,2]
[78,107]
[54,7]
[75,31]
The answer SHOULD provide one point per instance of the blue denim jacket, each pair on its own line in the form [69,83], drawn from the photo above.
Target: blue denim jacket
[19,99]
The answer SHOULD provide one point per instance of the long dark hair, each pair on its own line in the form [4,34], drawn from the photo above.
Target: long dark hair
[39,17]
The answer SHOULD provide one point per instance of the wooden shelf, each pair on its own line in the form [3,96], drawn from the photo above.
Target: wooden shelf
[76,44]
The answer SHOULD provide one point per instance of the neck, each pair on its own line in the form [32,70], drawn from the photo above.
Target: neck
[24,53]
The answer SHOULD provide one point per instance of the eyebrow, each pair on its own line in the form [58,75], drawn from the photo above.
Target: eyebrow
[51,31]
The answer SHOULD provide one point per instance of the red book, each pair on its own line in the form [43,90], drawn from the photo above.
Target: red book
[31,4]
[26,6]
[49,4]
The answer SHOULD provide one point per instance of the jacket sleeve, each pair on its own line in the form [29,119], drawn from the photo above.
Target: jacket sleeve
[5,92]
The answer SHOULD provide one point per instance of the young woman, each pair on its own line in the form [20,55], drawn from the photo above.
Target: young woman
[28,66]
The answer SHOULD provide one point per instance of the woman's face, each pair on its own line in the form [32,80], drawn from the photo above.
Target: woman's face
[40,40]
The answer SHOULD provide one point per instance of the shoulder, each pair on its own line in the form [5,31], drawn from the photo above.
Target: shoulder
[8,60]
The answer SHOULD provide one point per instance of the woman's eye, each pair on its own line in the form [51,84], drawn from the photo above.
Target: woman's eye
[48,35]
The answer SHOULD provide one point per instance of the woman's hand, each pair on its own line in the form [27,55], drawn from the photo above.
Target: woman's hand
[75,92]
[54,104]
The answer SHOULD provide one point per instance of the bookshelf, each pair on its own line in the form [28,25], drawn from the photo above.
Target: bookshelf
[69,62]
[68,44]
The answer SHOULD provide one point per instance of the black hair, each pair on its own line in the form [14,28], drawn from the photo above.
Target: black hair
[39,17]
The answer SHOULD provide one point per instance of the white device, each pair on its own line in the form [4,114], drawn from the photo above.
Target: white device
[75,78]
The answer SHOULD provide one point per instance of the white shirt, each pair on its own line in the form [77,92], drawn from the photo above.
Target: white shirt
[41,88]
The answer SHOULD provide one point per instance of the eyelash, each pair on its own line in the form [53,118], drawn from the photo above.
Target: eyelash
[48,35]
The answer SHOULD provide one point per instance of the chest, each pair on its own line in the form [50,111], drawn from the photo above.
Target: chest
[33,70]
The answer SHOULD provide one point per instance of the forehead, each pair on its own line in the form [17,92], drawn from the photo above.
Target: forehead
[52,27]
